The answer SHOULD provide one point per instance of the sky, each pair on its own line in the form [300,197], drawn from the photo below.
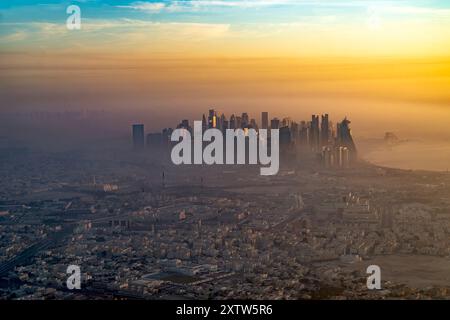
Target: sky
[384,64]
[230,27]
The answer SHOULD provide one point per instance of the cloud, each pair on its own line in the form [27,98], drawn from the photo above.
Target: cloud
[195,5]
[413,10]
[16,36]
[115,29]
[205,5]
[152,7]
[242,4]
[185,28]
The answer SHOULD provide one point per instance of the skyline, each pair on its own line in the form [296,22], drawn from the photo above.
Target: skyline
[225,150]
[384,64]
[333,144]
[150,55]
[165,56]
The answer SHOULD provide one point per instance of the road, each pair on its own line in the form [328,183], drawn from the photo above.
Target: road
[26,255]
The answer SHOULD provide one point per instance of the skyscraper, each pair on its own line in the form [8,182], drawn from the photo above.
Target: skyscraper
[225,125]
[211,118]
[239,123]
[245,120]
[294,131]
[138,136]
[314,134]
[286,122]
[264,120]
[221,124]
[285,137]
[324,130]
[184,124]
[303,134]
[327,157]
[166,134]
[204,123]
[232,124]
[345,139]
[275,123]
[344,157]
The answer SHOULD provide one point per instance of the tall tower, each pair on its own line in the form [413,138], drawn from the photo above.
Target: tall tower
[324,130]
[264,120]
[285,137]
[204,124]
[221,124]
[232,124]
[211,118]
[275,123]
[345,139]
[138,136]
[245,120]
[166,134]
[314,136]
[303,134]
[239,123]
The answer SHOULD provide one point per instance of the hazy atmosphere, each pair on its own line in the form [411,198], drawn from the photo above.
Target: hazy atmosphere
[384,64]
[224,150]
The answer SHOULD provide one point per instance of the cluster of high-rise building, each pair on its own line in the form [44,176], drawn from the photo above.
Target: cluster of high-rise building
[341,150]
[334,143]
